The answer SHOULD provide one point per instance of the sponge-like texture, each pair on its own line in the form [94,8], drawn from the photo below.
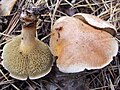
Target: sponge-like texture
[34,65]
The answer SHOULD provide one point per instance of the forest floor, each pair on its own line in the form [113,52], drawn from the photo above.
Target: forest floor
[107,78]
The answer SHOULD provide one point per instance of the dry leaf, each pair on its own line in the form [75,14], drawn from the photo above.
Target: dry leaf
[6,7]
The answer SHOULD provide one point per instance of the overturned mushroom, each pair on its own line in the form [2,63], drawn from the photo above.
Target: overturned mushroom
[26,56]
[80,45]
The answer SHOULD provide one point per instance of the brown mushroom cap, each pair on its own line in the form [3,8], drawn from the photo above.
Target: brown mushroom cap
[96,22]
[34,65]
[80,46]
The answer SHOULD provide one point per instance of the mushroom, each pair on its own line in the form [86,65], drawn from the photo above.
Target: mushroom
[80,44]
[26,56]
[96,22]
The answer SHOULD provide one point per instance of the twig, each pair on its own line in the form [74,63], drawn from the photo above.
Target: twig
[5,35]
[45,37]
[8,80]
[5,42]
[53,15]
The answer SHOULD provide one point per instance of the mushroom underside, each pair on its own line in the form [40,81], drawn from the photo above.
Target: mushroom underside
[21,66]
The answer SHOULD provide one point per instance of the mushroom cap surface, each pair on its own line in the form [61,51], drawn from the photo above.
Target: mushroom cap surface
[80,46]
[96,22]
[34,65]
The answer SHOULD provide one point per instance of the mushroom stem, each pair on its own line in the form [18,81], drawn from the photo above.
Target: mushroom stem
[28,37]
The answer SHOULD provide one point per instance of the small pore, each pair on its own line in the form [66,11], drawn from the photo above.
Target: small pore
[20,52]
[22,38]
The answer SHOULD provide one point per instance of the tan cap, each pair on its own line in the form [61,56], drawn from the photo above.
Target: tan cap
[96,22]
[80,46]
